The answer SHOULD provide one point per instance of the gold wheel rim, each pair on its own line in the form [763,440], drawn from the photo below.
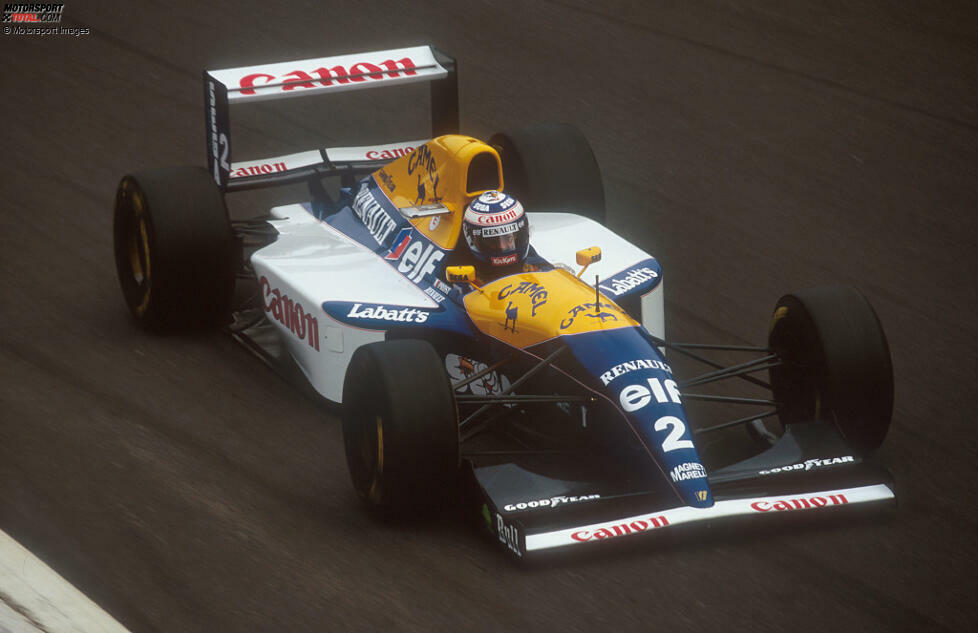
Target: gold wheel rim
[139,255]
[374,492]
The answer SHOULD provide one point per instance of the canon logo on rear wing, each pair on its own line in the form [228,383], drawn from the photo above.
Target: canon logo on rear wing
[289,162]
[389,151]
[360,71]
[342,72]
[278,164]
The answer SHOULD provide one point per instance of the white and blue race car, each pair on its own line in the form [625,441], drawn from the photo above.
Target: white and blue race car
[543,398]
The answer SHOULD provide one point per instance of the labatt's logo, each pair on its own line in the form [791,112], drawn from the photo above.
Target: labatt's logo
[383,313]
[358,72]
[290,313]
[632,279]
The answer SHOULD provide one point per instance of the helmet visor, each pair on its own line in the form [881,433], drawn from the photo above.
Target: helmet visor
[494,240]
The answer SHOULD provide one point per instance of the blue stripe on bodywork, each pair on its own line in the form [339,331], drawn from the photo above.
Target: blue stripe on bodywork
[447,317]
[370,218]
[632,373]
[638,279]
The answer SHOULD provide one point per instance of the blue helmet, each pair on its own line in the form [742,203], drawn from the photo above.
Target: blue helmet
[496,229]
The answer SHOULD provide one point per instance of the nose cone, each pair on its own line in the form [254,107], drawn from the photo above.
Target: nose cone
[636,378]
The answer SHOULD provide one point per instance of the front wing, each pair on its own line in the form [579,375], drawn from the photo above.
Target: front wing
[532,509]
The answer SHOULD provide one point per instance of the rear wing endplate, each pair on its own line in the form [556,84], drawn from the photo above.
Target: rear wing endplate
[249,84]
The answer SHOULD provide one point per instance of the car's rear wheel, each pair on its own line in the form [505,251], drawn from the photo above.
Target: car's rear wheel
[836,363]
[400,427]
[175,253]
[551,167]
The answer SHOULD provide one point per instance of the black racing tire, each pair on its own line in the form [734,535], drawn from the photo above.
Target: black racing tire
[175,253]
[400,428]
[551,167]
[836,363]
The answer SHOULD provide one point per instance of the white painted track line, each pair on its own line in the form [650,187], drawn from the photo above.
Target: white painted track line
[13,622]
[33,597]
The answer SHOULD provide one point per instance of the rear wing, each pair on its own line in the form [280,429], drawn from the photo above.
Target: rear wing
[250,84]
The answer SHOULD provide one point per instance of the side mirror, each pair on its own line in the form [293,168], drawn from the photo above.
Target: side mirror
[459,274]
[586,257]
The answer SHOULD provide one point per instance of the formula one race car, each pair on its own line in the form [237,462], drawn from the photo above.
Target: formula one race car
[546,398]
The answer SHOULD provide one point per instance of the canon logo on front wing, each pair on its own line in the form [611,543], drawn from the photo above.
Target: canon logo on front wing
[620,529]
[799,503]
[358,72]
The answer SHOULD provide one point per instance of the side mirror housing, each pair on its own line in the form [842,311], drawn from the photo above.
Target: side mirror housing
[588,256]
[459,274]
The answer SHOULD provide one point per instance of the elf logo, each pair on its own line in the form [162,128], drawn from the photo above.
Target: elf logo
[400,244]
[419,260]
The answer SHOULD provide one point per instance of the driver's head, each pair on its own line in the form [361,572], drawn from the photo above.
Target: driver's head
[496,229]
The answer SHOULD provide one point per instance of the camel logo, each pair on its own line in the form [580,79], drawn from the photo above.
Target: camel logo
[604,316]
[422,192]
[597,313]
[536,292]
[511,311]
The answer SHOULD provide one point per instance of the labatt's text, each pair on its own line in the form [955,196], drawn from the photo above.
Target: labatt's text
[404,315]
[635,277]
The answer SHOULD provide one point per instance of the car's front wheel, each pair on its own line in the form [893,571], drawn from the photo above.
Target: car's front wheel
[400,427]
[835,363]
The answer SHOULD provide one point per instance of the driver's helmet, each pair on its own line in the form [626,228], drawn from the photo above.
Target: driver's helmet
[496,229]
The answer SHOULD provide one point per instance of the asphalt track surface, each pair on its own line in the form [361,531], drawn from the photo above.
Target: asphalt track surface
[753,147]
